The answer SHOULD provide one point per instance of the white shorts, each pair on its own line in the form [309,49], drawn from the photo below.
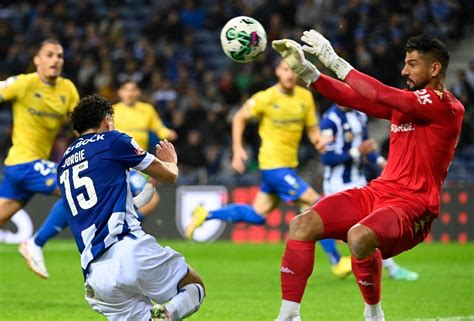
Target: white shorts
[123,281]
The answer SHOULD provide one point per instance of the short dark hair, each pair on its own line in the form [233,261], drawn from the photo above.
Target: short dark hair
[47,42]
[431,46]
[89,113]
[128,81]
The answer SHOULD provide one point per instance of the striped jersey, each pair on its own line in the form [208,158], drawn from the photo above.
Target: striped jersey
[93,178]
[343,130]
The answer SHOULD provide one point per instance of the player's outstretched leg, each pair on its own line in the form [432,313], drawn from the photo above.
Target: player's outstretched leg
[397,272]
[340,265]
[33,255]
[232,213]
[32,249]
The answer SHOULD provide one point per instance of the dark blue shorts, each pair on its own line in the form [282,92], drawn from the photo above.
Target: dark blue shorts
[284,182]
[22,181]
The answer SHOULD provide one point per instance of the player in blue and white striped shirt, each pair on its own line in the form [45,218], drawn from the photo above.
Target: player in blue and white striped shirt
[124,268]
[348,146]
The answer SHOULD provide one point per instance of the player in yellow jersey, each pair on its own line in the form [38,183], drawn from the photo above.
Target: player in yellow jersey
[138,119]
[284,111]
[41,103]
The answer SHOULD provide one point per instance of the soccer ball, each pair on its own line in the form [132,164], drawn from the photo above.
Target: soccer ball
[243,39]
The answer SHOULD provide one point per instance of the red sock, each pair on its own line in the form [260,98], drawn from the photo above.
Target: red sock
[296,267]
[368,274]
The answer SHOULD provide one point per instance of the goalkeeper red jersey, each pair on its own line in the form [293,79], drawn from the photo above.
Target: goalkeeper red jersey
[425,127]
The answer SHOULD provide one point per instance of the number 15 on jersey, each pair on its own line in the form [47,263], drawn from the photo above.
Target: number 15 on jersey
[73,195]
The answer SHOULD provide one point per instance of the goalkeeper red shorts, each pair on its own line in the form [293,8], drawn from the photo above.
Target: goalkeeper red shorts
[399,224]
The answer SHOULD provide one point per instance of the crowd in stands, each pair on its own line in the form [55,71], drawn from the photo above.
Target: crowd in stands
[171,49]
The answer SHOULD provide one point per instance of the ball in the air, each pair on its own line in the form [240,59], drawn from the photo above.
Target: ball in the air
[243,39]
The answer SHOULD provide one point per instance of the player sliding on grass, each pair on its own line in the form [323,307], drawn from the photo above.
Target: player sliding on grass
[125,269]
[284,111]
[395,211]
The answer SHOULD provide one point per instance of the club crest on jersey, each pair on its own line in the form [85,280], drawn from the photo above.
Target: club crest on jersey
[138,149]
[423,97]
[63,98]
[439,94]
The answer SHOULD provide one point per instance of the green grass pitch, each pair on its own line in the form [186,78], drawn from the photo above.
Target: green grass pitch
[243,284]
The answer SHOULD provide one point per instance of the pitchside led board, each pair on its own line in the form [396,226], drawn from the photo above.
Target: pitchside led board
[455,223]
[212,198]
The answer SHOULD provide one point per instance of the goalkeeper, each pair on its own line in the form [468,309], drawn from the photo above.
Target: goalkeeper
[394,212]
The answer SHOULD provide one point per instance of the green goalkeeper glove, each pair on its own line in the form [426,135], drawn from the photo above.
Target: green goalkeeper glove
[317,45]
[291,52]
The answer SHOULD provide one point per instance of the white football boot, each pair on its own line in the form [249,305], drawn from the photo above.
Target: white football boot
[379,316]
[33,255]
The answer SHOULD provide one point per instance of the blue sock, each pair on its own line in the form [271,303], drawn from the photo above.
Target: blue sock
[54,223]
[329,246]
[236,213]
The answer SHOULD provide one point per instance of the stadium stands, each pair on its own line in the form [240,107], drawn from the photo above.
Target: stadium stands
[172,49]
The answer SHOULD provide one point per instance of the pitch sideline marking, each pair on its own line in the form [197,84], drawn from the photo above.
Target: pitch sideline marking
[458,318]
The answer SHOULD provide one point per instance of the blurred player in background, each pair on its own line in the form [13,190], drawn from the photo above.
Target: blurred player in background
[284,112]
[395,211]
[139,119]
[134,118]
[347,149]
[125,269]
[41,103]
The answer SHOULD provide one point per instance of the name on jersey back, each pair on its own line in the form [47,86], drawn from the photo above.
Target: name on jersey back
[74,158]
[79,156]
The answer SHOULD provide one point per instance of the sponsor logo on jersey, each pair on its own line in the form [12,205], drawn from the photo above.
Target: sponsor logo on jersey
[37,95]
[63,98]
[82,142]
[407,127]
[423,97]
[45,114]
